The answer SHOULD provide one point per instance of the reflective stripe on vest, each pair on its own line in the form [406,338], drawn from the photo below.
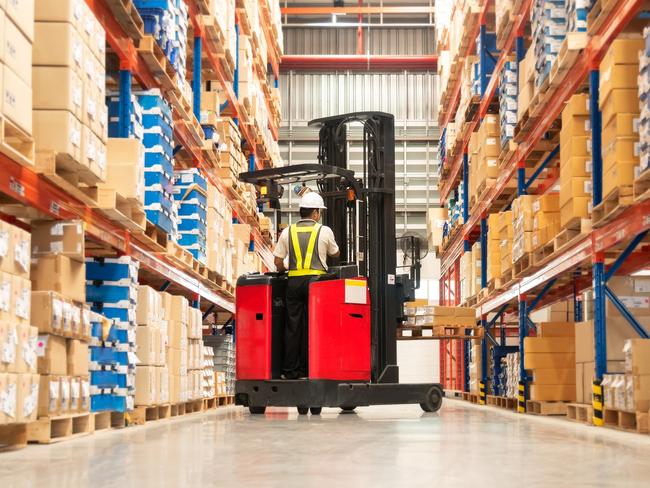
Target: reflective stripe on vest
[303,267]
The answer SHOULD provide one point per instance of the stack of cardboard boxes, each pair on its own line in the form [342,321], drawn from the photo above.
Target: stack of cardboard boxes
[195,353]
[475,373]
[69,77]
[506,240]
[551,359]
[619,71]
[176,308]
[575,162]
[489,148]
[17,26]
[209,377]
[546,219]
[494,247]
[475,278]
[219,230]
[526,84]
[522,227]
[19,383]
[152,374]
[630,391]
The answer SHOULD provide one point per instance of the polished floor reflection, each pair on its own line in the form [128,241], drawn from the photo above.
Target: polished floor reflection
[462,445]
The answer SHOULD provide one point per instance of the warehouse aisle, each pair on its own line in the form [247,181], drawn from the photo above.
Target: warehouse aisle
[382,446]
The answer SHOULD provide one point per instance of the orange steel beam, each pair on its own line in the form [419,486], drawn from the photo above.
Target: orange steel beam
[355,10]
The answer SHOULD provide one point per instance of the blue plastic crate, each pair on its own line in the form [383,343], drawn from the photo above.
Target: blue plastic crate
[159,200]
[125,315]
[152,102]
[152,122]
[195,210]
[156,141]
[190,240]
[199,255]
[157,160]
[111,269]
[158,180]
[107,379]
[107,402]
[122,358]
[186,178]
[160,219]
[135,130]
[103,355]
[192,226]
[111,293]
[97,332]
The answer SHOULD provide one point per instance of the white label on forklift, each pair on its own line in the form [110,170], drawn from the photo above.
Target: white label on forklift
[355,291]
[391,279]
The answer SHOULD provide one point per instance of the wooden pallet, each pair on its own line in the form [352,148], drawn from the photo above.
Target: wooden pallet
[414,332]
[48,430]
[628,421]
[571,48]
[535,407]
[13,437]
[598,15]
[502,402]
[143,414]
[16,144]
[67,173]
[612,205]
[470,397]
[159,66]
[642,186]
[109,420]
[543,254]
[180,255]
[128,212]
[128,17]
[580,412]
[154,237]
[523,265]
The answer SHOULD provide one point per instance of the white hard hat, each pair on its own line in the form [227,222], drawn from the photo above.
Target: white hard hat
[312,200]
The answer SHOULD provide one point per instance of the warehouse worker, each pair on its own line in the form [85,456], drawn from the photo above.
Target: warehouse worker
[307,244]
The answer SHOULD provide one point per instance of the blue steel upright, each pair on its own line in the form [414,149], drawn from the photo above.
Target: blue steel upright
[523,332]
[484,232]
[196,77]
[465,187]
[126,106]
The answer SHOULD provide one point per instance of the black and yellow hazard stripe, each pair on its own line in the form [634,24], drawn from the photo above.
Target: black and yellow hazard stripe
[481,393]
[597,402]
[521,398]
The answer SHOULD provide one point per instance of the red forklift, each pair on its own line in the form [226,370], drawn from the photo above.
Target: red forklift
[354,310]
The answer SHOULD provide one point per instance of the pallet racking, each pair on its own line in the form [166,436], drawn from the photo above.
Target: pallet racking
[586,261]
[124,38]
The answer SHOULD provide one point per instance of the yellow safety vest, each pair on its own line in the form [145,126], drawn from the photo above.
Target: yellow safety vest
[297,265]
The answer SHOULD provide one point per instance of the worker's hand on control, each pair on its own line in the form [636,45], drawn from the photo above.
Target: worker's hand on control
[279,265]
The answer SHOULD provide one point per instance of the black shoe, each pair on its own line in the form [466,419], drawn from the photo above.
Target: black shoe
[289,376]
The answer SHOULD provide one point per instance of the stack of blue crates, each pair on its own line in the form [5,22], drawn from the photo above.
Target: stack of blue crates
[135,125]
[508,101]
[576,14]
[112,291]
[191,197]
[644,97]
[158,144]
[167,21]
[549,23]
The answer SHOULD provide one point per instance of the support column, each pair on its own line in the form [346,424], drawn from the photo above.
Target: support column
[196,77]
[125,106]
[465,187]
[523,332]
[484,254]
[484,362]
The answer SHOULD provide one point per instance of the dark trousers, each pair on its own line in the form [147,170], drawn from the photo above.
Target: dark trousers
[296,332]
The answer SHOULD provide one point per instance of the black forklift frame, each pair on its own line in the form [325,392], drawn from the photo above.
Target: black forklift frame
[361,213]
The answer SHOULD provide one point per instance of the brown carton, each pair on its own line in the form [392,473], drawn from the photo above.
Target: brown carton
[553,393]
[146,385]
[16,100]
[8,345]
[49,397]
[27,397]
[77,358]
[58,44]
[47,312]
[179,306]
[637,356]
[57,88]
[557,329]
[52,355]
[64,237]
[565,376]
[549,360]
[57,131]
[21,299]
[60,274]
[149,304]
[549,344]
[148,343]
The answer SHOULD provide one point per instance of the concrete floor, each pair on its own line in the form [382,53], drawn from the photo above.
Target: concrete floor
[462,445]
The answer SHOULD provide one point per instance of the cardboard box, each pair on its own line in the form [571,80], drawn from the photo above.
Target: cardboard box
[622,51]
[4,394]
[556,329]
[581,392]
[177,334]
[58,44]
[576,126]
[436,219]
[564,344]
[47,312]
[61,274]
[634,292]
[17,100]
[49,396]
[93,153]
[26,350]
[149,305]
[637,356]
[148,345]
[620,173]
[77,358]
[176,361]
[166,305]
[125,166]
[21,299]
[617,333]
[146,385]
[575,167]
[544,360]
[637,393]
[57,88]
[552,393]
[52,355]
[619,102]
[618,76]
[8,346]
[63,237]
[58,131]
[620,150]
[578,105]
[572,147]
[621,125]
[20,254]
[578,207]
[565,376]
[71,11]
[179,306]
[8,390]
[27,397]
[17,52]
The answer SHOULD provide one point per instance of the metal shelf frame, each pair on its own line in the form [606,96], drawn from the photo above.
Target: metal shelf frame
[630,227]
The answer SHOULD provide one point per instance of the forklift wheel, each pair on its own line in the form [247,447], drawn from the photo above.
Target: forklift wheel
[433,400]
[303,410]
[316,410]
[256,410]
[348,409]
